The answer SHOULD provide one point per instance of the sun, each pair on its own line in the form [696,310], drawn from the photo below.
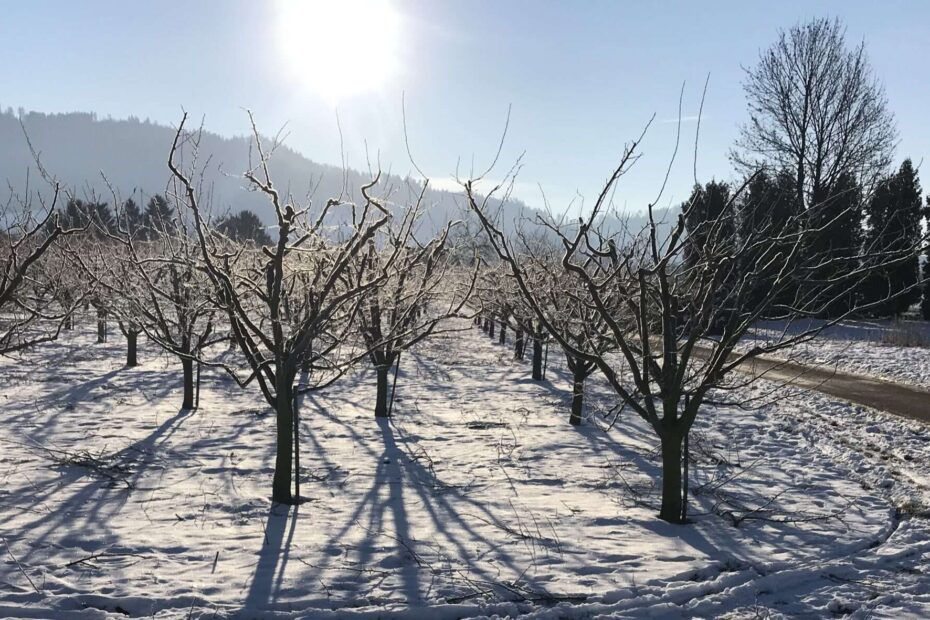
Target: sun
[338,49]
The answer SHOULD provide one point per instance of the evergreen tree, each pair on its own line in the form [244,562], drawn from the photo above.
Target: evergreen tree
[768,207]
[752,211]
[75,214]
[158,217]
[96,217]
[836,217]
[103,218]
[131,219]
[708,220]
[894,214]
[244,226]
[925,301]
[710,224]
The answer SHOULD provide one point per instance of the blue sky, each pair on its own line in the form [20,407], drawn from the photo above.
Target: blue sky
[582,78]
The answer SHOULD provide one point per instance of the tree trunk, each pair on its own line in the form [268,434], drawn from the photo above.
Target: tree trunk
[381,403]
[69,322]
[295,415]
[484,327]
[101,326]
[537,359]
[519,345]
[577,397]
[503,337]
[132,339]
[671,478]
[284,412]
[491,328]
[684,482]
[197,391]
[188,366]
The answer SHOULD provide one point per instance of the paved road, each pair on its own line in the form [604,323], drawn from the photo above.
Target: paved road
[902,400]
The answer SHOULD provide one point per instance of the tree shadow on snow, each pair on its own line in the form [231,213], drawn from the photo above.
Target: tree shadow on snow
[273,557]
[401,480]
[84,514]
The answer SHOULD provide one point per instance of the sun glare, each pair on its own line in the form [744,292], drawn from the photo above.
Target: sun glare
[339,48]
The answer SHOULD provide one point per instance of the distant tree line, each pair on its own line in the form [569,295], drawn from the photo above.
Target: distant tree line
[850,223]
[816,153]
[153,222]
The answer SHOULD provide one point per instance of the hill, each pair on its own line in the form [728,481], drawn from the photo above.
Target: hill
[79,148]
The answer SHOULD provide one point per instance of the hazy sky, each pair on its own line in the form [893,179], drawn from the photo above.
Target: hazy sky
[582,77]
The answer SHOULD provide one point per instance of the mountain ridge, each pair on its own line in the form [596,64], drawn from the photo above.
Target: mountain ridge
[78,148]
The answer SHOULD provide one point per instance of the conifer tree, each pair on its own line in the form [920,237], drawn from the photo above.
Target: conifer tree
[835,220]
[130,217]
[894,214]
[710,223]
[75,214]
[703,221]
[158,217]
[244,226]
[96,217]
[769,205]
[925,300]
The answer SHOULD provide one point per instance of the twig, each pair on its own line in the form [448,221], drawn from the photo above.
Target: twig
[20,567]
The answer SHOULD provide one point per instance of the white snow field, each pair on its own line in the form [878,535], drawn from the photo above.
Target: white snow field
[477,499]
[874,348]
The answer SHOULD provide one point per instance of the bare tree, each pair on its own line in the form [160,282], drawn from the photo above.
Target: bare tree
[157,287]
[36,301]
[419,291]
[558,297]
[816,109]
[290,305]
[131,331]
[677,326]
[499,296]
[101,307]
[500,301]
[491,299]
[564,301]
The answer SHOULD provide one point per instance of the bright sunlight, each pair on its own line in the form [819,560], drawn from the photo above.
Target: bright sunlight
[339,49]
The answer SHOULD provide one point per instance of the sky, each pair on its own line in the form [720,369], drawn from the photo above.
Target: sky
[581,79]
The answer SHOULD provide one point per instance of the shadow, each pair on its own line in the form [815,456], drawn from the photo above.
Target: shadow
[87,499]
[66,391]
[268,578]
[77,511]
[394,478]
[99,493]
[601,443]
[421,565]
[381,512]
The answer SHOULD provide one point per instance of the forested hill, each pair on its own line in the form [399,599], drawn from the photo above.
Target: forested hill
[77,147]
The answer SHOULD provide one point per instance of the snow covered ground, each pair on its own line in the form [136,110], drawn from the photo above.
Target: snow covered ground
[476,499]
[872,348]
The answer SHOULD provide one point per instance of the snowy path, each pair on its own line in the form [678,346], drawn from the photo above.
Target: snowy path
[478,498]
[896,398]
[867,348]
